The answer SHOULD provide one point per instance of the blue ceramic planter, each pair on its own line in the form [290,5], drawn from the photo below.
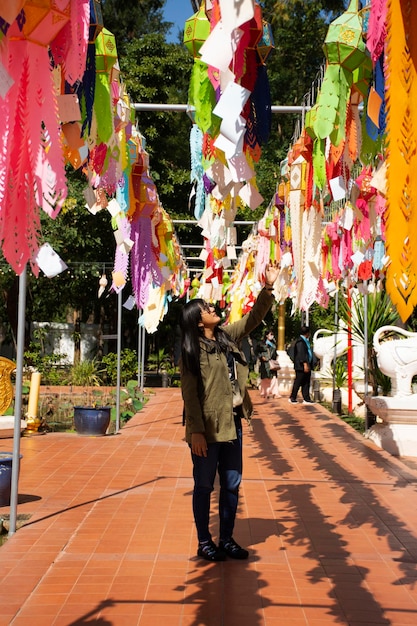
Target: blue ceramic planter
[6,463]
[91,422]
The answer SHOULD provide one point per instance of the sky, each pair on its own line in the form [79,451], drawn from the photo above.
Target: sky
[177,11]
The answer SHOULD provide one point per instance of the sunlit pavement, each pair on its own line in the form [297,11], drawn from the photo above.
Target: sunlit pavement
[329,519]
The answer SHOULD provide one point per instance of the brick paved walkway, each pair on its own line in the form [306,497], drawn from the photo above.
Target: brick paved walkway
[329,519]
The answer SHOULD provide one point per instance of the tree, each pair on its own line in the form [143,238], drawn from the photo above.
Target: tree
[130,19]
[158,72]
[299,29]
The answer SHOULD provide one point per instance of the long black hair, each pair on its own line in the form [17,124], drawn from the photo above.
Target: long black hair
[192,333]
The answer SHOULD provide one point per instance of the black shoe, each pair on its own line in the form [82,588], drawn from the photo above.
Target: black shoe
[210,552]
[291,401]
[232,549]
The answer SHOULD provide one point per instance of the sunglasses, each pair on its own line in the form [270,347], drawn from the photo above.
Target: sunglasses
[207,308]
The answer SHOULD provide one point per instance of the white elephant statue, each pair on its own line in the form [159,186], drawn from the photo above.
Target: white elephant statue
[397,358]
[325,347]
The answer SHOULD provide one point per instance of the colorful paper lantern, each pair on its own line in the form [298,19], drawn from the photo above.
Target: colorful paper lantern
[345,51]
[196,31]
[344,44]
[266,42]
[44,19]
[362,76]
[96,20]
[10,10]
[106,51]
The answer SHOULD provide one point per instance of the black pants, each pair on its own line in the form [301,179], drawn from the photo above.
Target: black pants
[302,379]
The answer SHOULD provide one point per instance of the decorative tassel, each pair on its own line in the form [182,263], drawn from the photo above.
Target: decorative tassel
[261,106]
[201,96]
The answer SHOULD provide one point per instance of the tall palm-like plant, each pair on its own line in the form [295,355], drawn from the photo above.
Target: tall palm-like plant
[380,312]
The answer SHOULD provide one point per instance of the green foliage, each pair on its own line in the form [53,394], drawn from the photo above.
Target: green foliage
[132,400]
[158,72]
[380,312]
[131,19]
[160,360]
[86,374]
[128,366]
[36,358]
[339,371]
[358,423]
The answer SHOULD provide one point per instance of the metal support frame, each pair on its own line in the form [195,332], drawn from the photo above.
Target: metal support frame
[149,106]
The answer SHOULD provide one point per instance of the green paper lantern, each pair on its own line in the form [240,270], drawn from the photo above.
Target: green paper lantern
[344,44]
[196,31]
[362,76]
[106,51]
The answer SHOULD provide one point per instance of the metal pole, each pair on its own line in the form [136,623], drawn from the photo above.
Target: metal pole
[336,325]
[18,401]
[149,106]
[337,394]
[350,350]
[143,331]
[119,351]
[368,415]
[139,351]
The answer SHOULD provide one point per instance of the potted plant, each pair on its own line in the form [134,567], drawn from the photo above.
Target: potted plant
[6,466]
[159,364]
[90,419]
[379,311]
[339,375]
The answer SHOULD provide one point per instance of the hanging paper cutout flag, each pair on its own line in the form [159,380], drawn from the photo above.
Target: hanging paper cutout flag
[102,285]
[251,196]
[49,261]
[6,81]
[68,108]
[338,188]
[130,303]
[374,106]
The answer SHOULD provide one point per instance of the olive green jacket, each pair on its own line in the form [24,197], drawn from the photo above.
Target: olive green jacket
[208,405]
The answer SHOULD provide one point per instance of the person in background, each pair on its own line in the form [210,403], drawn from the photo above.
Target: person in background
[248,349]
[267,350]
[214,372]
[303,359]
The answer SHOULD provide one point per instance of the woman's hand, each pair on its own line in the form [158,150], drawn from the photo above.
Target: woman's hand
[198,444]
[271,273]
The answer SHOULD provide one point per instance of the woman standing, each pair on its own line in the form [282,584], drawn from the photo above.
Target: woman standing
[267,350]
[213,376]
